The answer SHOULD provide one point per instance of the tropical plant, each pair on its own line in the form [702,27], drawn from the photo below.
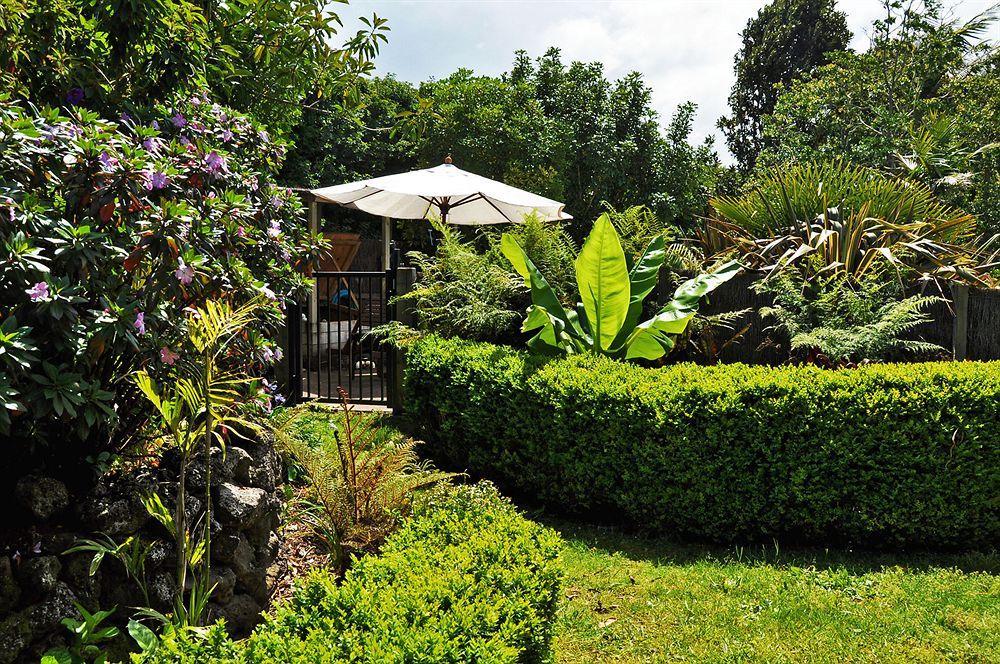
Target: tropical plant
[612,290]
[849,220]
[926,87]
[362,477]
[834,321]
[462,291]
[201,406]
[88,636]
[131,553]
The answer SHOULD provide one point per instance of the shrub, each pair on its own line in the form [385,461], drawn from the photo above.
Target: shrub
[110,232]
[469,580]
[879,455]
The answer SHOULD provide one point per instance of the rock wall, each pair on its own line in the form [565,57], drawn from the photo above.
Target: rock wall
[40,584]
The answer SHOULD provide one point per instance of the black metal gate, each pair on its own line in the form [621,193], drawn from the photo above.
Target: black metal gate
[329,340]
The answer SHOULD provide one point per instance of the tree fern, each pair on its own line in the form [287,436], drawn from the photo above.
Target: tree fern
[362,478]
[832,321]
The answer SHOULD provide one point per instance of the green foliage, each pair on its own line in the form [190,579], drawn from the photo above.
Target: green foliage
[197,410]
[471,293]
[362,476]
[923,73]
[786,39]
[832,321]
[835,217]
[88,635]
[110,231]
[612,290]
[882,455]
[467,580]
[566,132]
[336,142]
[262,57]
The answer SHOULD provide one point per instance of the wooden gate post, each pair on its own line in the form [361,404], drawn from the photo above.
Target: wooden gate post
[960,340]
[405,278]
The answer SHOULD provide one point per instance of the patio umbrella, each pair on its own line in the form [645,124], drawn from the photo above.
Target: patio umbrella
[445,191]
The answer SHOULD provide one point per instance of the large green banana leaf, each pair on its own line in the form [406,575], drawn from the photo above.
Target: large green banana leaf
[603,280]
[652,339]
[642,280]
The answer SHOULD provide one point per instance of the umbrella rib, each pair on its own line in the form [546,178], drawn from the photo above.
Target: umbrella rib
[498,209]
[468,199]
[361,198]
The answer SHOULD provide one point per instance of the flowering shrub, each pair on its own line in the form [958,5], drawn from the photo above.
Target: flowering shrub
[111,231]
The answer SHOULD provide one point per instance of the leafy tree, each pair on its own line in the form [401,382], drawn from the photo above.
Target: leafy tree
[338,143]
[494,127]
[259,56]
[786,39]
[923,101]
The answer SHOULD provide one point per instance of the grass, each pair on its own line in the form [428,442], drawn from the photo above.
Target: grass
[634,600]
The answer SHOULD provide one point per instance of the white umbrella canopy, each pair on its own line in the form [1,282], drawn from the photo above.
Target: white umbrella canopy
[445,191]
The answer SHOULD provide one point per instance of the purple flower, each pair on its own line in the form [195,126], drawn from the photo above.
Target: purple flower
[274,229]
[276,202]
[140,323]
[155,125]
[107,161]
[38,292]
[278,354]
[168,356]
[214,162]
[75,96]
[268,293]
[125,117]
[179,120]
[156,180]
[195,101]
[240,231]
[227,135]
[151,144]
[267,355]
[184,273]
[279,400]
[185,140]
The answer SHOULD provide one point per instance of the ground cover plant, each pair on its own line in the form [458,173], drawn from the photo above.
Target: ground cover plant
[887,455]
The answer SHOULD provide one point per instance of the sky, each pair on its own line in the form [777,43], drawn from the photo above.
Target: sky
[683,48]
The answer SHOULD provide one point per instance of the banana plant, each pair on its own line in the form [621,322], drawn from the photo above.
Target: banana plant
[612,290]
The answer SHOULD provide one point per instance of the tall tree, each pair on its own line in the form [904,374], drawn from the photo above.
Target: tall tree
[923,102]
[786,39]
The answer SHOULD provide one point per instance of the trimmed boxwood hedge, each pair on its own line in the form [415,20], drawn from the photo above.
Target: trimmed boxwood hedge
[469,580]
[897,455]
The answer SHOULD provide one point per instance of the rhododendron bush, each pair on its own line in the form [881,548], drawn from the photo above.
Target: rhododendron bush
[111,231]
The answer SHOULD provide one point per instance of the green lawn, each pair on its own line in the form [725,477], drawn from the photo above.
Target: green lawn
[635,600]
